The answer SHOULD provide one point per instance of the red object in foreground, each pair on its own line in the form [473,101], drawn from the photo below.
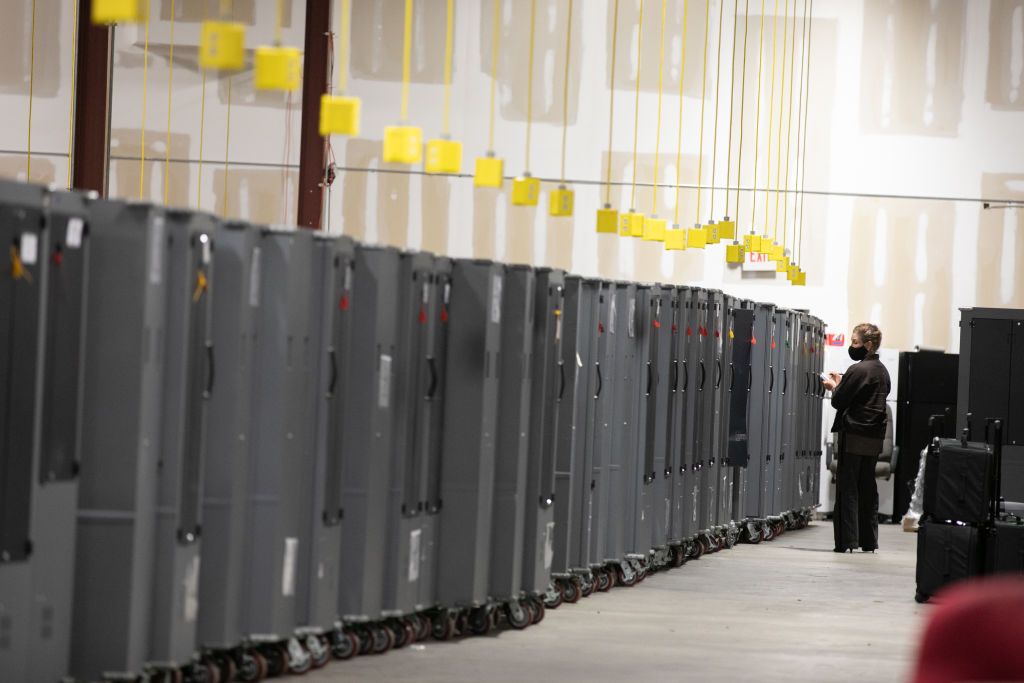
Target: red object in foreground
[974,634]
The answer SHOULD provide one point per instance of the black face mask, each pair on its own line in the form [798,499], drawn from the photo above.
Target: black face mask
[858,353]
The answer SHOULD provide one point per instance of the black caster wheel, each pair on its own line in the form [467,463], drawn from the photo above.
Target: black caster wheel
[606,579]
[553,598]
[319,650]
[623,579]
[443,626]
[422,625]
[364,639]
[587,586]
[224,665]
[519,614]
[401,636]
[538,611]
[382,639]
[570,590]
[252,666]
[698,548]
[678,556]
[479,621]
[277,660]
[344,644]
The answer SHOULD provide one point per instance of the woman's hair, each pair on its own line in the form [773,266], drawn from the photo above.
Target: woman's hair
[869,334]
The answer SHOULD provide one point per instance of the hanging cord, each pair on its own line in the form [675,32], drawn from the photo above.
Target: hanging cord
[611,107]
[732,102]
[718,82]
[448,36]
[743,102]
[757,122]
[807,108]
[529,81]
[703,100]
[170,81]
[406,60]
[771,112]
[789,130]
[202,130]
[495,40]
[782,103]
[565,88]
[31,93]
[145,81]
[636,104]
[343,38]
[74,94]
[679,134]
[657,131]
[799,120]
[279,26]
[227,142]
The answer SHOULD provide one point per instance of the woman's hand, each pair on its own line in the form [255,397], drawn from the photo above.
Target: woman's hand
[829,384]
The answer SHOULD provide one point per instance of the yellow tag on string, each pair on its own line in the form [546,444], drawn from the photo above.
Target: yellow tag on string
[201,285]
[18,271]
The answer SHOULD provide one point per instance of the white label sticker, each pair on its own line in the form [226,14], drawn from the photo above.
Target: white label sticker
[612,314]
[156,250]
[496,299]
[384,382]
[29,248]
[190,603]
[205,240]
[291,553]
[73,237]
[254,278]
[414,554]
[631,318]
[549,545]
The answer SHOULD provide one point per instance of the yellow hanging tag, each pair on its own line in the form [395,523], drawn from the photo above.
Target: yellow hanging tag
[607,220]
[735,253]
[277,68]
[119,11]
[489,172]
[732,335]
[781,266]
[222,45]
[714,237]
[339,115]
[727,229]
[675,239]
[403,144]
[654,229]
[560,202]
[752,243]
[631,224]
[18,271]
[800,279]
[696,237]
[778,253]
[201,285]
[525,191]
[443,156]
[791,271]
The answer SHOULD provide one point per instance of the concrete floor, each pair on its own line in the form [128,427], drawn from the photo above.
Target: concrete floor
[788,610]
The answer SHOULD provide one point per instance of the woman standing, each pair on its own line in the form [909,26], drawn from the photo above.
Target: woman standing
[859,398]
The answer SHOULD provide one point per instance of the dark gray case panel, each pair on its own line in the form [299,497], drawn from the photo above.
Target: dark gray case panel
[570,460]
[41,341]
[547,389]
[707,394]
[331,333]
[647,302]
[683,477]
[430,428]
[368,432]
[623,465]
[696,405]
[187,386]
[513,440]
[660,331]
[756,495]
[470,421]
[603,398]
[282,433]
[991,384]
[235,303]
[138,497]
[416,394]
[740,338]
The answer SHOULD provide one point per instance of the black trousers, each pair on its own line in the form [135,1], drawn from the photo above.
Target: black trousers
[855,519]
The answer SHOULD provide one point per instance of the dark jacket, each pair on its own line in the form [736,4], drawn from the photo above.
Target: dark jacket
[860,400]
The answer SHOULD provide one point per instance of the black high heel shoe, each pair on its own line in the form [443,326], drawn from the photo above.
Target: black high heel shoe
[842,550]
